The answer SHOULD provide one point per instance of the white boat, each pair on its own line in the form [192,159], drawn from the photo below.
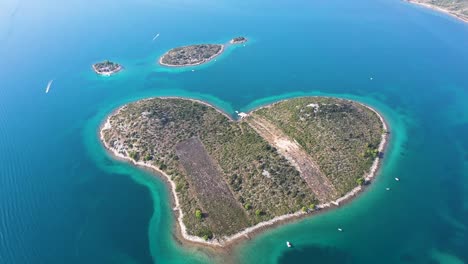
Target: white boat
[388,189]
[48,86]
[397,179]
[242,114]
[288,244]
[339,229]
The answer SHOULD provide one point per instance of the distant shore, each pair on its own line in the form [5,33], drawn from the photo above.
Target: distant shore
[192,64]
[439,9]
[225,242]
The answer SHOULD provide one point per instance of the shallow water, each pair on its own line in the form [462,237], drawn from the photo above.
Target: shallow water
[64,199]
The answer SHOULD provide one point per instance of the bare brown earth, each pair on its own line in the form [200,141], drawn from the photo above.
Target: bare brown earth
[290,149]
[210,189]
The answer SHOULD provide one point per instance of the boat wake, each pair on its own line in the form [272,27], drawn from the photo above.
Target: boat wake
[48,86]
[155,37]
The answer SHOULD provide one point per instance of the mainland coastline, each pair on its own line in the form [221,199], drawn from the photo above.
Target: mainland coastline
[444,7]
[181,229]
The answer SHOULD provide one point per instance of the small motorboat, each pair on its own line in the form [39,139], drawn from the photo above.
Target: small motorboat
[388,189]
[288,244]
[339,229]
[397,179]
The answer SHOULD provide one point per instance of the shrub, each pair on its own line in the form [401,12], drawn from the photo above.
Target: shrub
[312,206]
[248,206]
[371,153]
[360,181]
[148,157]
[133,155]
[205,233]
[258,212]
[198,214]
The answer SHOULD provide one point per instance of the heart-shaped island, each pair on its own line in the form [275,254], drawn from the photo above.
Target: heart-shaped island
[231,177]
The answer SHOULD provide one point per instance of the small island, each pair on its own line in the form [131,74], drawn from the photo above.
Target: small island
[191,55]
[455,8]
[106,68]
[238,40]
[230,178]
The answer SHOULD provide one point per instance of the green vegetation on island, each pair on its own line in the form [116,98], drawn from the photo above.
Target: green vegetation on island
[191,55]
[106,68]
[341,136]
[230,175]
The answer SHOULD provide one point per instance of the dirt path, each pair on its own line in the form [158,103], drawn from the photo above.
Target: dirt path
[291,150]
[210,188]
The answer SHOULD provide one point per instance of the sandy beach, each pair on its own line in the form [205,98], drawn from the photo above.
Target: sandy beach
[181,230]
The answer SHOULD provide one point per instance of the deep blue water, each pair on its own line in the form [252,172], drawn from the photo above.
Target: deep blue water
[63,199]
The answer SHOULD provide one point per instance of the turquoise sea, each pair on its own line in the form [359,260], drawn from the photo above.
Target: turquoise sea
[63,199]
